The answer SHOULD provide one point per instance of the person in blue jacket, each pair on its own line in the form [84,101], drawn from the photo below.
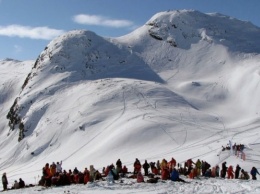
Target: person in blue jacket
[253,172]
[175,176]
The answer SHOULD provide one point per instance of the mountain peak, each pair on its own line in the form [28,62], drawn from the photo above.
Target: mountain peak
[182,28]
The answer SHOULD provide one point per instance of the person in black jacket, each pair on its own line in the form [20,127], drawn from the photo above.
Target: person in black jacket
[118,166]
[238,168]
[4,181]
[224,170]
[21,183]
[146,166]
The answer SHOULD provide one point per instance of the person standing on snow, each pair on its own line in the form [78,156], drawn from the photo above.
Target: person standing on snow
[4,181]
[118,166]
[137,166]
[217,171]
[58,167]
[224,170]
[146,166]
[198,167]
[238,168]
[230,172]
[253,172]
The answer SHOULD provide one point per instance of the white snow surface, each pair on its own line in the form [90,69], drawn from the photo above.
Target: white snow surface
[180,86]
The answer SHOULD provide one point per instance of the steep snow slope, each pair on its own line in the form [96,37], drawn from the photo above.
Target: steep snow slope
[179,86]
[207,58]
[12,76]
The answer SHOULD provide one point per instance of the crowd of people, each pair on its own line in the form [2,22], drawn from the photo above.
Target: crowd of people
[53,174]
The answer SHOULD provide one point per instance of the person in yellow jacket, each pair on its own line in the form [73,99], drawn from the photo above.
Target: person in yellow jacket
[53,169]
[198,167]
[163,164]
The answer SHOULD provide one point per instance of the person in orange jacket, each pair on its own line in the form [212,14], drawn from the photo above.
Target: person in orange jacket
[230,172]
[53,169]
[47,175]
[192,174]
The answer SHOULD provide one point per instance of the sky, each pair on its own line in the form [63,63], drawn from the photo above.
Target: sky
[27,26]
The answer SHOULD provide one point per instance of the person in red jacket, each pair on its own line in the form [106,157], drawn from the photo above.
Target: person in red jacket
[230,172]
[137,166]
[140,177]
[124,170]
[165,174]
[171,164]
[86,176]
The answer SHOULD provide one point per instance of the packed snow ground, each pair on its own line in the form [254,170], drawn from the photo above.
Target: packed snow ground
[204,186]
[181,86]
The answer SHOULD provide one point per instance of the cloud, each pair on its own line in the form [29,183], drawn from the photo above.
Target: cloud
[101,21]
[45,33]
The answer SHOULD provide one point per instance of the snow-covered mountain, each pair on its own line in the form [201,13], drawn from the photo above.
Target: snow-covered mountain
[181,86]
